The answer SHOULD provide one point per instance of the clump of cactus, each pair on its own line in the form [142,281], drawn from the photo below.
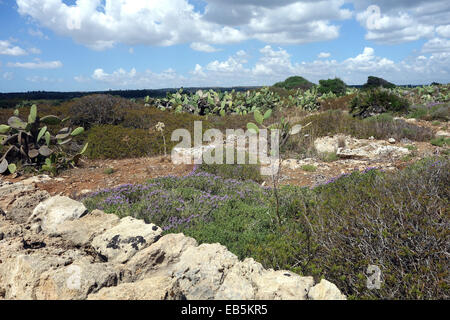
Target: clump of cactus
[31,144]
[219,103]
[307,100]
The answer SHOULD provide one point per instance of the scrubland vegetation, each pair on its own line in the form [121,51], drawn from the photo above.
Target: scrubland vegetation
[398,221]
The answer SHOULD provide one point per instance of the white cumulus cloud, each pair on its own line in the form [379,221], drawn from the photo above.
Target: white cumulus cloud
[7,48]
[101,24]
[204,47]
[324,55]
[37,64]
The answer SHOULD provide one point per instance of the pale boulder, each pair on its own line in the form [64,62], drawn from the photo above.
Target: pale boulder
[161,254]
[325,290]
[201,270]
[238,283]
[282,285]
[123,241]
[52,212]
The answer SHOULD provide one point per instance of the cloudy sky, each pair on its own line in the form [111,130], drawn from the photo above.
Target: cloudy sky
[68,45]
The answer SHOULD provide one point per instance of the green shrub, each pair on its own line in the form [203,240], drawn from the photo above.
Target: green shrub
[440,142]
[342,103]
[441,112]
[434,111]
[328,156]
[336,86]
[309,168]
[148,117]
[109,171]
[377,101]
[117,142]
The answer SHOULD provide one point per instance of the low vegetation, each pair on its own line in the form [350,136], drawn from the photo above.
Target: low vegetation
[336,86]
[377,101]
[398,222]
[334,122]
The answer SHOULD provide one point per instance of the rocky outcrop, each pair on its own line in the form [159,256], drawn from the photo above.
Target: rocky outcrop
[347,147]
[63,252]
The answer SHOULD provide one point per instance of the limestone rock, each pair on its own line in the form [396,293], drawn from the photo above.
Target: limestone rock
[166,251]
[37,179]
[348,147]
[19,276]
[325,290]
[82,231]
[201,270]
[373,151]
[123,241]
[9,192]
[75,281]
[155,288]
[442,134]
[23,207]
[54,211]
[282,285]
[325,145]
[60,262]
[238,283]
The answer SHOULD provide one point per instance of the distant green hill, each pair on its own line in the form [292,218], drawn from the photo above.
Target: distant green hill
[295,82]
[336,85]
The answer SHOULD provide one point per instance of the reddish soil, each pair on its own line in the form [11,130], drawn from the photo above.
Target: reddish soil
[97,174]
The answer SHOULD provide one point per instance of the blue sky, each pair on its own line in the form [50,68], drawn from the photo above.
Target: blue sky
[126,44]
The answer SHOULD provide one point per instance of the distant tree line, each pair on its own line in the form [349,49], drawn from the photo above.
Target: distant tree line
[10,100]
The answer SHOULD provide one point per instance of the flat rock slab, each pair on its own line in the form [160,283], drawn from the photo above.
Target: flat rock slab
[123,241]
[155,288]
[82,231]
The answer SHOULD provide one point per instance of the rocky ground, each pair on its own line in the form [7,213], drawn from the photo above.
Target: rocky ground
[51,248]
